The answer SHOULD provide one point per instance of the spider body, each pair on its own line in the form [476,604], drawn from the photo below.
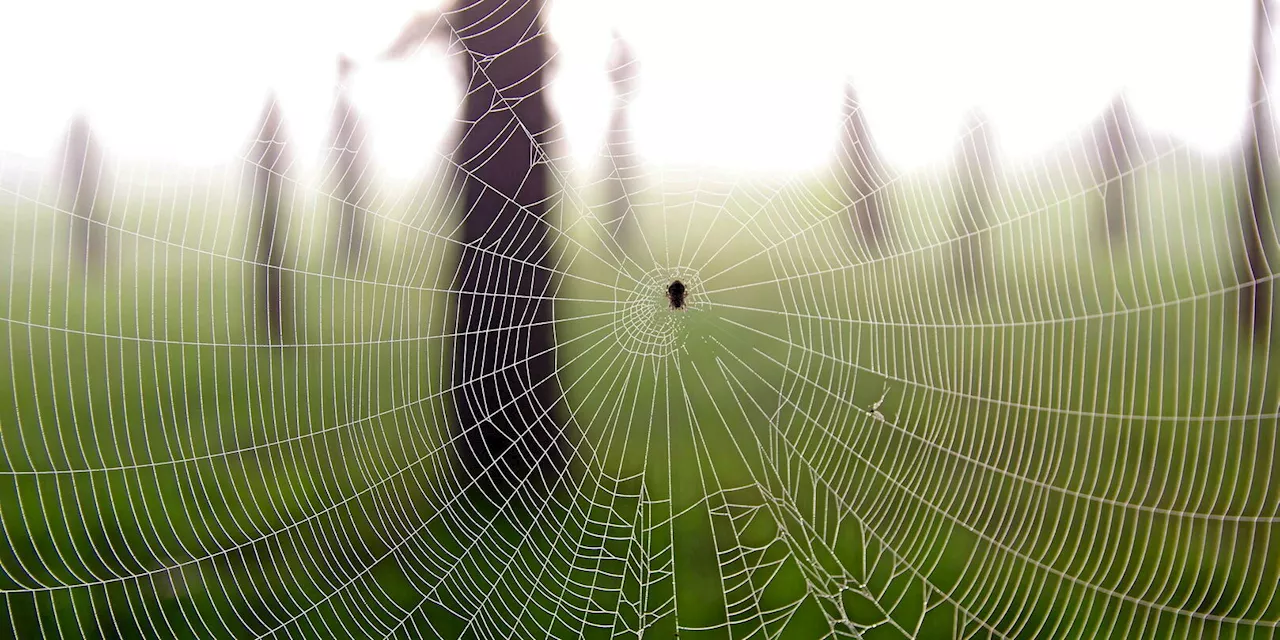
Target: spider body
[675,294]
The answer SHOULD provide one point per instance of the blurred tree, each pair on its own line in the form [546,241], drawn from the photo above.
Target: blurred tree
[976,175]
[348,167]
[504,362]
[1255,206]
[80,178]
[1117,148]
[863,173]
[269,161]
[624,178]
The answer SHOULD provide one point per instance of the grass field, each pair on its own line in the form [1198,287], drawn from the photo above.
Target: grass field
[1084,447]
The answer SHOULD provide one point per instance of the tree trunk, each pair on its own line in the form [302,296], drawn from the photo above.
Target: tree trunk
[270,161]
[977,182]
[504,362]
[349,167]
[1255,207]
[1118,149]
[80,179]
[864,173]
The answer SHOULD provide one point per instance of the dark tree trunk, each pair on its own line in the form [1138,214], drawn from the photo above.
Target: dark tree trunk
[624,163]
[1255,207]
[1117,148]
[80,180]
[976,178]
[270,161]
[864,173]
[349,169]
[504,362]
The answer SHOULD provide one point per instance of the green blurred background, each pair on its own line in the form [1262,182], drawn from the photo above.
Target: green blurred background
[941,398]
[1084,448]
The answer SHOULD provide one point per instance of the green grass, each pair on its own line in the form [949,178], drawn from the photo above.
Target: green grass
[1085,447]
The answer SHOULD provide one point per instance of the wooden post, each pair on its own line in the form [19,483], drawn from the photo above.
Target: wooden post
[80,179]
[269,162]
[1117,148]
[349,168]
[976,174]
[863,173]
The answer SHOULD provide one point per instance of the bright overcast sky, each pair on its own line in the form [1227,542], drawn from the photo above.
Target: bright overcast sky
[732,84]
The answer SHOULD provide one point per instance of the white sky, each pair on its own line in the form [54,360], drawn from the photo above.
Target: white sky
[735,84]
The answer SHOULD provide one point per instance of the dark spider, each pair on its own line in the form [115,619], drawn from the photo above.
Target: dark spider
[675,293]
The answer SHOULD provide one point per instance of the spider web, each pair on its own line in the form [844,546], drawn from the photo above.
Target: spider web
[992,422]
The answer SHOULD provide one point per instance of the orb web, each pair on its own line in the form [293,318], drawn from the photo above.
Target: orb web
[989,421]
[648,322]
